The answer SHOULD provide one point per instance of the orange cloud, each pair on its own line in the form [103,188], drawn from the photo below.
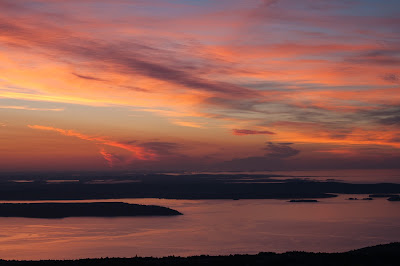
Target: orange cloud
[356,136]
[107,156]
[187,123]
[137,153]
[339,152]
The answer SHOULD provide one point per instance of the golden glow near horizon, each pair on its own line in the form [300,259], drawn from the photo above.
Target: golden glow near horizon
[194,85]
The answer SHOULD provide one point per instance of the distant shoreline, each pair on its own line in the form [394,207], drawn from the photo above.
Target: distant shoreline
[184,187]
[386,254]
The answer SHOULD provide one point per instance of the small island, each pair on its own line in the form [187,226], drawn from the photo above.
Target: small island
[303,200]
[80,209]
[395,198]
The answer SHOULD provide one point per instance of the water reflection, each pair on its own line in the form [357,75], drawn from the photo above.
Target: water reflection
[207,227]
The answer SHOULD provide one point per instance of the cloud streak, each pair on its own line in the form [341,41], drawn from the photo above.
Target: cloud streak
[185,123]
[280,150]
[136,152]
[244,132]
[30,108]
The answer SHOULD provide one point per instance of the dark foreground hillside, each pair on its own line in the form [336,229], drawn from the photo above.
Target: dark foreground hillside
[381,255]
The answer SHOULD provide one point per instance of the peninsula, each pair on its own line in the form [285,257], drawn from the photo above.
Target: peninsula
[92,209]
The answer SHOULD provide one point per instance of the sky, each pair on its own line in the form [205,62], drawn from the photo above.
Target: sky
[199,85]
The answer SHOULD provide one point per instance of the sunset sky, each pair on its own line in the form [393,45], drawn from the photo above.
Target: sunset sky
[169,85]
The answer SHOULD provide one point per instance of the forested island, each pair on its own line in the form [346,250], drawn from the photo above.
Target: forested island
[382,255]
[92,209]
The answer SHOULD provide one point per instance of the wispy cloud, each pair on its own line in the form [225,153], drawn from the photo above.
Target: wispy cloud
[162,148]
[30,108]
[137,152]
[185,123]
[86,77]
[244,132]
[107,156]
[280,150]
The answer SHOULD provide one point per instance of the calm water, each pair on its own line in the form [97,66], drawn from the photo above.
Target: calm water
[207,227]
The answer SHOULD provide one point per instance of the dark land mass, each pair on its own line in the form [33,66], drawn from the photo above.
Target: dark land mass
[199,186]
[303,200]
[97,209]
[382,255]
[395,198]
[382,195]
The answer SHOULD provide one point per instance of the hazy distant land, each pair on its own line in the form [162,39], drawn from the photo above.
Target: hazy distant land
[201,186]
[92,209]
[382,255]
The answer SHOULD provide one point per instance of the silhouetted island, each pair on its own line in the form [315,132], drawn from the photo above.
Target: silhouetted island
[395,198]
[382,255]
[98,209]
[302,200]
